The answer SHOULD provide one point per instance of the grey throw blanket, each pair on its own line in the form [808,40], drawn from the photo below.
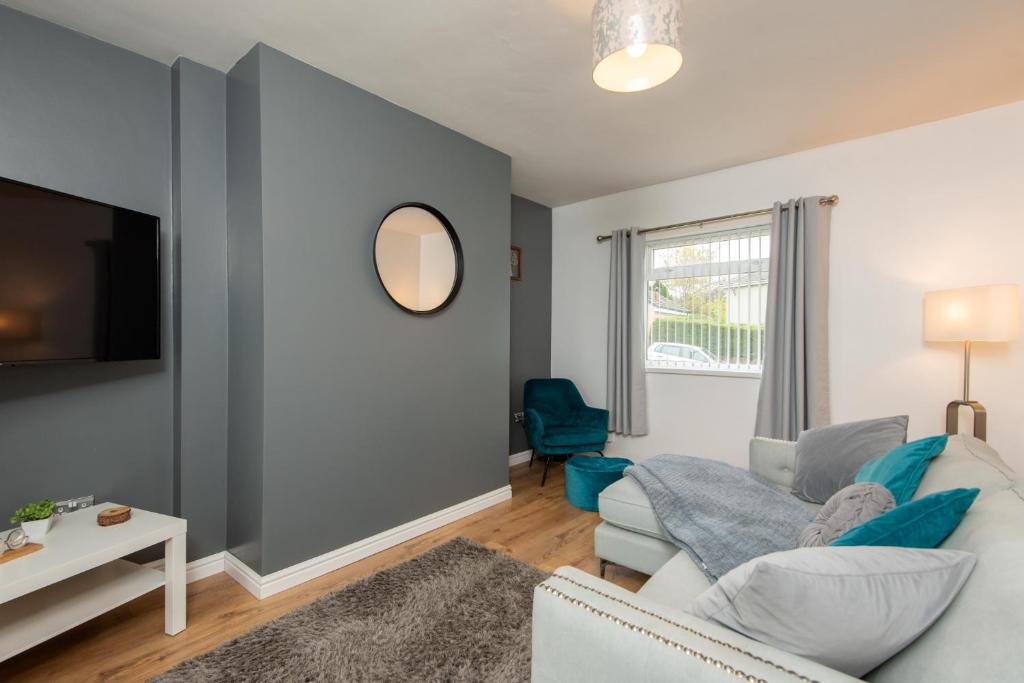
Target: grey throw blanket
[721,515]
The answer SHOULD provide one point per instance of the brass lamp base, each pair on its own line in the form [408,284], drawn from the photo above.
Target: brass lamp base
[980,418]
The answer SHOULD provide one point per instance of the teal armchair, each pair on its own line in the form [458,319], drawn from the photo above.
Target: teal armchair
[559,423]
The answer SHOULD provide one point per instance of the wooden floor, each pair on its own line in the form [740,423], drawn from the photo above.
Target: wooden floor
[536,526]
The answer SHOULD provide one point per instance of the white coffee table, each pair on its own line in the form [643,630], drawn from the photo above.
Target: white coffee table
[79,574]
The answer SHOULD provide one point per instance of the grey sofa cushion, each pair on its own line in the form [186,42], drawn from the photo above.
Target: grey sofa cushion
[847,608]
[828,458]
[625,505]
[967,462]
[849,507]
[677,583]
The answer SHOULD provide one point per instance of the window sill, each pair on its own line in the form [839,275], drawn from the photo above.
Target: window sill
[711,373]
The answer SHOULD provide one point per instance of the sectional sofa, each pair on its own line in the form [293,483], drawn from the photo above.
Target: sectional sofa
[586,628]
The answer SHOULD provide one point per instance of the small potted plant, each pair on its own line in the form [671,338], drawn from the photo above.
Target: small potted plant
[35,518]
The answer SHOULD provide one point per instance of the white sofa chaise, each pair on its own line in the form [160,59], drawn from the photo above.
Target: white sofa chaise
[587,629]
[631,535]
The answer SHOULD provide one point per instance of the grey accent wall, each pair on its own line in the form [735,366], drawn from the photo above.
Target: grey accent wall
[84,117]
[530,354]
[245,313]
[295,391]
[372,417]
[87,118]
[199,193]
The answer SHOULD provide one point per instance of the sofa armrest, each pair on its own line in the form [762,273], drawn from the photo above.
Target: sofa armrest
[534,426]
[773,459]
[598,417]
[586,629]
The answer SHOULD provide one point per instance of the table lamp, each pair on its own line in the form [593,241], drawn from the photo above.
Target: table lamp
[990,313]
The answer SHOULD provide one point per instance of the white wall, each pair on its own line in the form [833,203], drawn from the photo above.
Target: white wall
[929,207]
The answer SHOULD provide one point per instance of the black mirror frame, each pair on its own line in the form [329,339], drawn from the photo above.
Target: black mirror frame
[456,245]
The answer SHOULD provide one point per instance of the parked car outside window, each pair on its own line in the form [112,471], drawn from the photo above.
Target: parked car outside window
[679,352]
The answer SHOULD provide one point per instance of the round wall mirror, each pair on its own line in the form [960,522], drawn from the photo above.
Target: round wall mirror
[418,258]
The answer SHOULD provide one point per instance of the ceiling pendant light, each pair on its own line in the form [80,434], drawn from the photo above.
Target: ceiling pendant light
[637,43]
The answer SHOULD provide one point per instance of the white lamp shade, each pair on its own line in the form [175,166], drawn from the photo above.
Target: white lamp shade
[637,43]
[990,313]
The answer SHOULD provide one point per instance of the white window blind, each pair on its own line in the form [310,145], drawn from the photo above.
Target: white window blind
[707,291]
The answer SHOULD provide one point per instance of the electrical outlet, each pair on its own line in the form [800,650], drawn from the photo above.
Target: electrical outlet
[65,506]
[518,417]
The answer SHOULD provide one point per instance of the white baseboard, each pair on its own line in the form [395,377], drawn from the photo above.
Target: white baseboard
[265,586]
[519,458]
[242,574]
[197,569]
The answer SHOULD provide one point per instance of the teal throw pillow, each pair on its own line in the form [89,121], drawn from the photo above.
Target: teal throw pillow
[921,523]
[901,469]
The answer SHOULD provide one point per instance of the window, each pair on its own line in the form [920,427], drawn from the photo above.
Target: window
[707,291]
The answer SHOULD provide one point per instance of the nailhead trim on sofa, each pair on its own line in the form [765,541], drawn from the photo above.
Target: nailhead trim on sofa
[675,624]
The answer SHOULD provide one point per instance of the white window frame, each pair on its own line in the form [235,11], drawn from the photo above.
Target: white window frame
[751,226]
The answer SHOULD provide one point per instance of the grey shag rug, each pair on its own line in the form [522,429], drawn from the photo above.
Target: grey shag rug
[459,612]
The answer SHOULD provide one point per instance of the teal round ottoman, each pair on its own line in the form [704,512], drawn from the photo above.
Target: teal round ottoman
[586,476]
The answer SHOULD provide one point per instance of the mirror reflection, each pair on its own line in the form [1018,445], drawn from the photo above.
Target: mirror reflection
[418,258]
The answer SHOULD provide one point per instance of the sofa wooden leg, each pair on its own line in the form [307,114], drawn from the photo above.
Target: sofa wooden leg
[547,462]
[604,565]
[533,451]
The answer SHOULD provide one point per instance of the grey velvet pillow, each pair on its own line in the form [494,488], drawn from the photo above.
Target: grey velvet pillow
[850,608]
[849,507]
[828,458]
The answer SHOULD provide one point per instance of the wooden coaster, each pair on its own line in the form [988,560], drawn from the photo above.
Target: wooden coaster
[113,516]
[24,550]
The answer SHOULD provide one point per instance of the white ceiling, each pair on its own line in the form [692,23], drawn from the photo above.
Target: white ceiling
[761,78]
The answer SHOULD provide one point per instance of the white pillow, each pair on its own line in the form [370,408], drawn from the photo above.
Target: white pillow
[849,608]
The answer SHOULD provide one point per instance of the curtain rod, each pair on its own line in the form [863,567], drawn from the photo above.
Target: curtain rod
[832,200]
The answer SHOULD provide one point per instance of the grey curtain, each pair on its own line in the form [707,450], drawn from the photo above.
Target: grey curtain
[794,383]
[627,381]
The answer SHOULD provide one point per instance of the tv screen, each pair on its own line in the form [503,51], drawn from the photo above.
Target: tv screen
[79,280]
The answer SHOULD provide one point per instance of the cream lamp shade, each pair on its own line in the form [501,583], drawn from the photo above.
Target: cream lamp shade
[637,43]
[990,313]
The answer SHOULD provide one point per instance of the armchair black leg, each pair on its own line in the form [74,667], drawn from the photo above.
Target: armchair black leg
[601,453]
[604,565]
[533,451]
[547,462]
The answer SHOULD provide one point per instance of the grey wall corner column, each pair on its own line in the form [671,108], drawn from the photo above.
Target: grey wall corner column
[199,196]
[245,313]
[530,352]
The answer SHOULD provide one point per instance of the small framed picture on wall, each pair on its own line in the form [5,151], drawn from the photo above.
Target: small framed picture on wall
[516,263]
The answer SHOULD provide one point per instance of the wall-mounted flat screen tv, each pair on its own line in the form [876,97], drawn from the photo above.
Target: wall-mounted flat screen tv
[79,280]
